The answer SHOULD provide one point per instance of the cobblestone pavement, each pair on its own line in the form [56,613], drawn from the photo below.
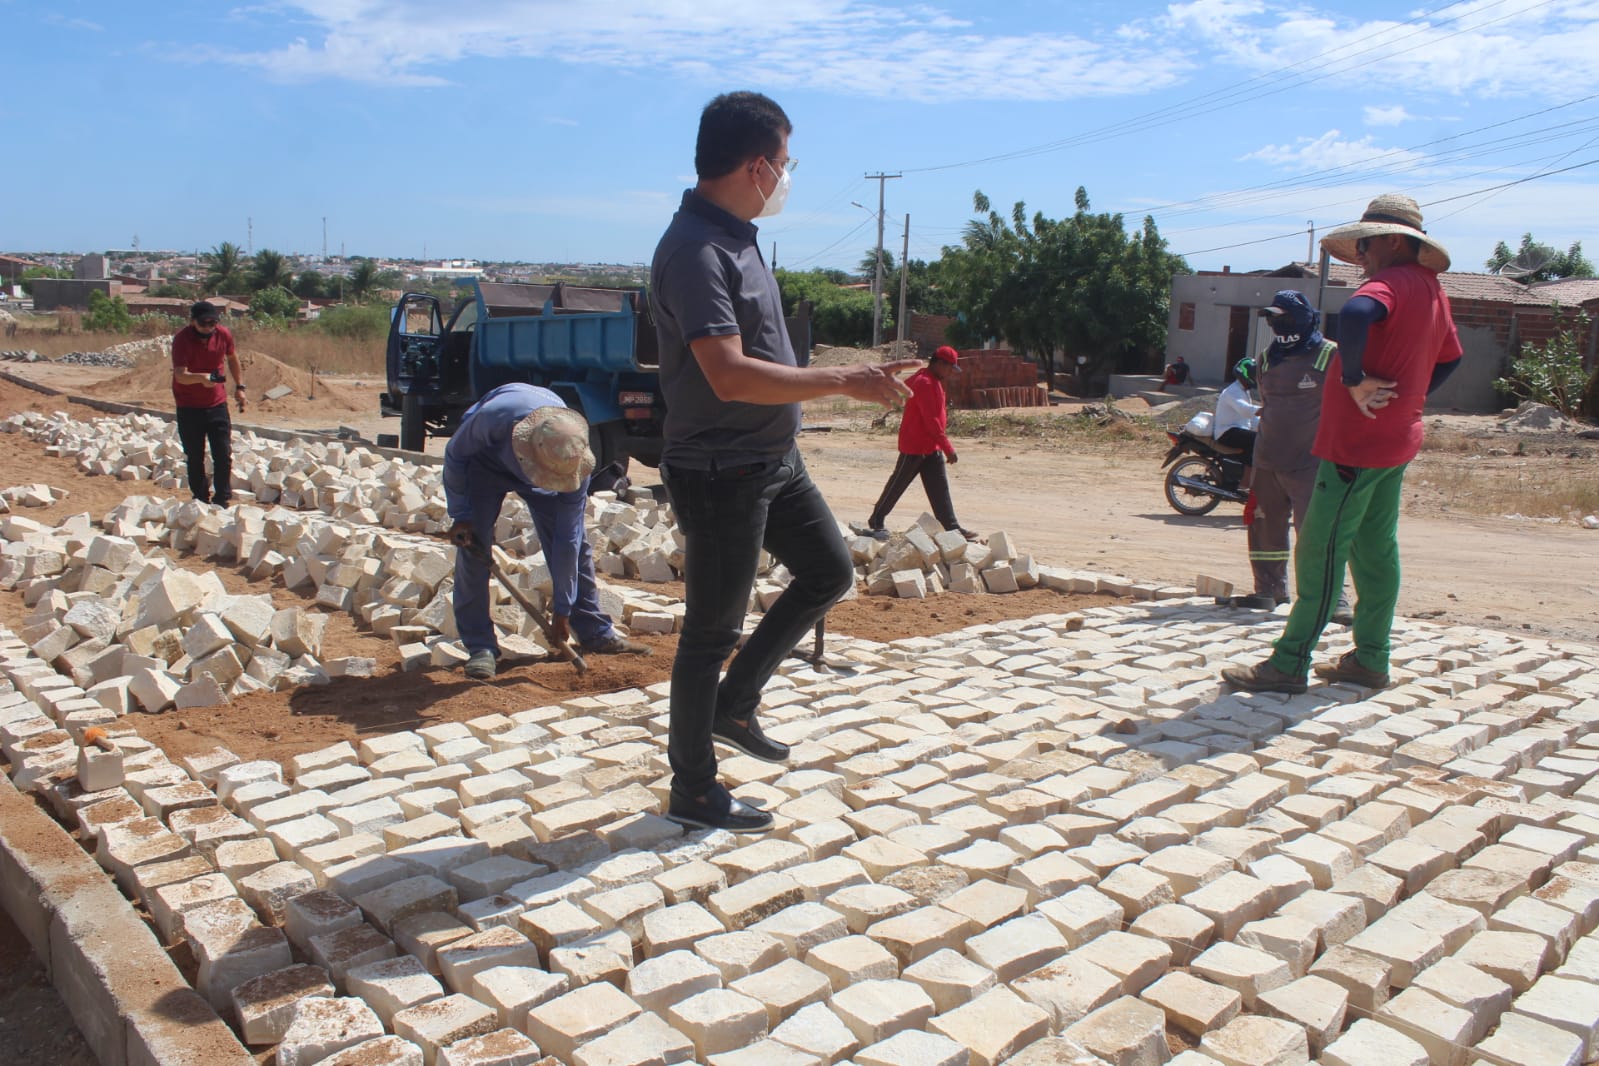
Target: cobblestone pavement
[1015,843]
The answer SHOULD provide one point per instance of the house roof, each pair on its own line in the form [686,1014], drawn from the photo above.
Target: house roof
[1464,285]
[1569,291]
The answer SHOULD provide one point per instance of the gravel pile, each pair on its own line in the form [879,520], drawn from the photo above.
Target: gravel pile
[105,359]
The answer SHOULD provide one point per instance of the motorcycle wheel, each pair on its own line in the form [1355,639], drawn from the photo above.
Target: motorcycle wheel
[1184,500]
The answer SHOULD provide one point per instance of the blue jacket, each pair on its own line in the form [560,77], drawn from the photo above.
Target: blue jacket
[480,465]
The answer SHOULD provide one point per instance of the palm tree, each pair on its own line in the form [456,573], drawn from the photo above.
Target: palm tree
[271,271]
[224,269]
[363,279]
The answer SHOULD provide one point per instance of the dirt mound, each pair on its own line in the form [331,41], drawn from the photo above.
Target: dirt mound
[150,385]
[1532,416]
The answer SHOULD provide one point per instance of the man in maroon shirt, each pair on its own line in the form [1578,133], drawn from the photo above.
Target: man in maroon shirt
[923,445]
[199,385]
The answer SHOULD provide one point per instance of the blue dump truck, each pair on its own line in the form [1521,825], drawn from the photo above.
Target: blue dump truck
[593,347]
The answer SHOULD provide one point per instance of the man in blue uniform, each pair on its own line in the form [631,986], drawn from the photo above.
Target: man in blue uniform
[523,439]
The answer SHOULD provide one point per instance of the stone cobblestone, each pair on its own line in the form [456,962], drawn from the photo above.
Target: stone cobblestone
[1002,845]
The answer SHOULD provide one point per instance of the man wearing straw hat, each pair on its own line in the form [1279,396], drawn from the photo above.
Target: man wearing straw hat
[1396,343]
[523,439]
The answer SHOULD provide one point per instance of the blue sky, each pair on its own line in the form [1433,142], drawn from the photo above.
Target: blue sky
[534,130]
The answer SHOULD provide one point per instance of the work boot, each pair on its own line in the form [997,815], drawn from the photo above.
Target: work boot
[480,666]
[616,644]
[1263,677]
[1349,671]
[1256,602]
[747,737]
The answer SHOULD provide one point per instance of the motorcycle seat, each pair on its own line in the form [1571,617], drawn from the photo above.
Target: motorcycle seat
[1225,449]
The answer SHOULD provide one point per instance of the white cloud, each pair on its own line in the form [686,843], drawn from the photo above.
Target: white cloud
[1387,116]
[1489,47]
[860,47]
[1331,150]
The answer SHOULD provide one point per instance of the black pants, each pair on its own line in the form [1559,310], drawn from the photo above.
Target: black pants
[935,479]
[727,517]
[1239,437]
[196,426]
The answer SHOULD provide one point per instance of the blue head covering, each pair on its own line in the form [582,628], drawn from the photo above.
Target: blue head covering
[1295,326]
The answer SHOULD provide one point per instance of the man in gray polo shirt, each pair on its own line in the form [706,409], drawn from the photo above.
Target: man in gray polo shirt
[731,468]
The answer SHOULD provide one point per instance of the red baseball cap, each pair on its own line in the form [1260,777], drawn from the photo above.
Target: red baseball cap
[948,355]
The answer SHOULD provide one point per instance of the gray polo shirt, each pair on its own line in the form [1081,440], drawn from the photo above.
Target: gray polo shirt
[708,280]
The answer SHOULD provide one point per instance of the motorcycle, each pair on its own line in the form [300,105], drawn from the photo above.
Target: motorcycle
[1210,473]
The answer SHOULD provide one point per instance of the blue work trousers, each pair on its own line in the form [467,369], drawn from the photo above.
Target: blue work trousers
[727,517]
[589,624]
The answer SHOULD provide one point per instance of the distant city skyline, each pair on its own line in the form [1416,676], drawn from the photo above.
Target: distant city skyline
[522,130]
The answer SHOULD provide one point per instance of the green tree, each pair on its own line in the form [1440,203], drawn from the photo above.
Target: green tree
[32,274]
[107,314]
[271,270]
[840,315]
[276,302]
[1552,373]
[362,280]
[1545,263]
[224,269]
[1062,288]
[310,285]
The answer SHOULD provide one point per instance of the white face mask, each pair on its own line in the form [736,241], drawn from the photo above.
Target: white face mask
[774,203]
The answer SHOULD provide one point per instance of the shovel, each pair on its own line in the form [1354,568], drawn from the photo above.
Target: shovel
[561,648]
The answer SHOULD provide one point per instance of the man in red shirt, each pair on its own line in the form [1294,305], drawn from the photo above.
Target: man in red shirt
[1396,343]
[199,386]
[923,444]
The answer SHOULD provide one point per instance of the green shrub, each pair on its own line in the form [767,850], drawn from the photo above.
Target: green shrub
[360,322]
[107,314]
[1552,373]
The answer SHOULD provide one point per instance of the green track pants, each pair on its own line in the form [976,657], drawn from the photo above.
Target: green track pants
[1353,520]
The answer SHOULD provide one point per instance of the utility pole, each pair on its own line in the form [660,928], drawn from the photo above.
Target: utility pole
[877,285]
[249,239]
[324,238]
[1310,251]
[904,281]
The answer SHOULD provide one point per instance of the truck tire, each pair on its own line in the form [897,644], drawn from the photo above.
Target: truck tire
[605,441]
[413,428]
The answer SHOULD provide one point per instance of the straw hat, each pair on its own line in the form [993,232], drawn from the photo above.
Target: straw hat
[1391,212]
[552,444]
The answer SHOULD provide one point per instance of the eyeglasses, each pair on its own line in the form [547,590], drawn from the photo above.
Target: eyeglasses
[206,321]
[787,164]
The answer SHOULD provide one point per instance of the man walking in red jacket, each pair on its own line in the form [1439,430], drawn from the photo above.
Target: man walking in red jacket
[923,446]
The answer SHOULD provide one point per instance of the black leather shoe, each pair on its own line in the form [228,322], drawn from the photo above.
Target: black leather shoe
[748,738]
[717,809]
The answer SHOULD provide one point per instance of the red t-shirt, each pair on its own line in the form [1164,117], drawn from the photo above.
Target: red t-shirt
[1417,334]
[921,428]
[200,355]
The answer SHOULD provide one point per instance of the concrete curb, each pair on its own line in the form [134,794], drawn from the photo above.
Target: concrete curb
[130,1002]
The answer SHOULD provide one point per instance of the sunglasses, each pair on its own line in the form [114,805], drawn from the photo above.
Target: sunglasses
[1362,244]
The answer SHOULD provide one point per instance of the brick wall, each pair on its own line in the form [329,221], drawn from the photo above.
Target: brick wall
[927,332]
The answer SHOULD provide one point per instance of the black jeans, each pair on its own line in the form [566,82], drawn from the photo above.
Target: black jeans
[196,426]
[935,479]
[727,517]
